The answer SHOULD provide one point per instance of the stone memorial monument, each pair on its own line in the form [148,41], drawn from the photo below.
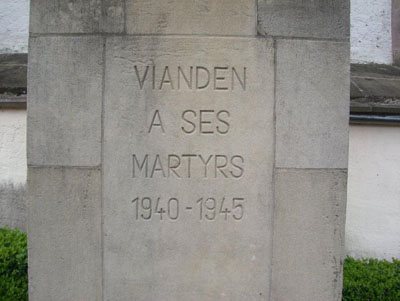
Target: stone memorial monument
[187,149]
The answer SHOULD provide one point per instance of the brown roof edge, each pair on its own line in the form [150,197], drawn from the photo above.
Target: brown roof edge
[13,80]
[375,89]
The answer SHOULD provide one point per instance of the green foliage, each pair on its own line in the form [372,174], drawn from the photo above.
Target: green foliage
[364,280]
[371,280]
[13,265]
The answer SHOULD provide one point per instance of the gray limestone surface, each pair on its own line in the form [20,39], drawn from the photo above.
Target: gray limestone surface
[79,16]
[308,234]
[64,234]
[183,159]
[55,16]
[175,153]
[324,19]
[65,100]
[206,17]
[312,111]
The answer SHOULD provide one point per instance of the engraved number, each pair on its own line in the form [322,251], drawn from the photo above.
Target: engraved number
[171,214]
[159,210]
[238,207]
[136,201]
[208,208]
[210,205]
[146,206]
[224,210]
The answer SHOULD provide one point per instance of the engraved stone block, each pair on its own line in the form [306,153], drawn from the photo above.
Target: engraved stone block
[312,108]
[308,234]
[188,163]
[206,17]
[64,233]
[307,18]
[64,111]
[79,16]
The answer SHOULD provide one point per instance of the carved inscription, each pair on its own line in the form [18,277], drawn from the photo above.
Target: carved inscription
[205,122]
[173,165]
[203,209]
[218,78]
[187,166]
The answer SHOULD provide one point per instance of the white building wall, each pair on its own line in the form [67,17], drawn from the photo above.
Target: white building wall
[371,31]
[371,39]
[373,208]
[373,214]
[13,146]
[13,168]
[14,24]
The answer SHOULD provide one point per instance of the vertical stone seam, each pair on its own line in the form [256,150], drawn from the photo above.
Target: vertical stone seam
[104,39]
[348,105]
[275,47]
[343,241]
[28,169]
[125,17]
[256,20]
[103,16]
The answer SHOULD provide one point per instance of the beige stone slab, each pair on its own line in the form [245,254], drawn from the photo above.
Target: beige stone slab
[206,17]
[64,101]
[312,108]
[79,16]
[325,19]
[200,254]
[308,235]
[64,234]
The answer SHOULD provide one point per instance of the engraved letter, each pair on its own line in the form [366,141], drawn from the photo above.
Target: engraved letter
[166,81]
[219,78]
[154,77]
[188,81]
[141,80]
[205,164]
[205,85]
[157,166]
[156,123]
[189,163]
[238,167]
[145,163]
[219,166]
[219,130]
[241,81]
[204,122]
[172,167]
[184,114]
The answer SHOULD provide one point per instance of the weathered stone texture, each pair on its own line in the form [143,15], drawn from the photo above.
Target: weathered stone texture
[80,16]
[308,235]
[191,257]
[64,234]
[59,16]
[65,100]
[12,206]
[312,108]
[325,19]
[113,19]
[207,17]
[173,96]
